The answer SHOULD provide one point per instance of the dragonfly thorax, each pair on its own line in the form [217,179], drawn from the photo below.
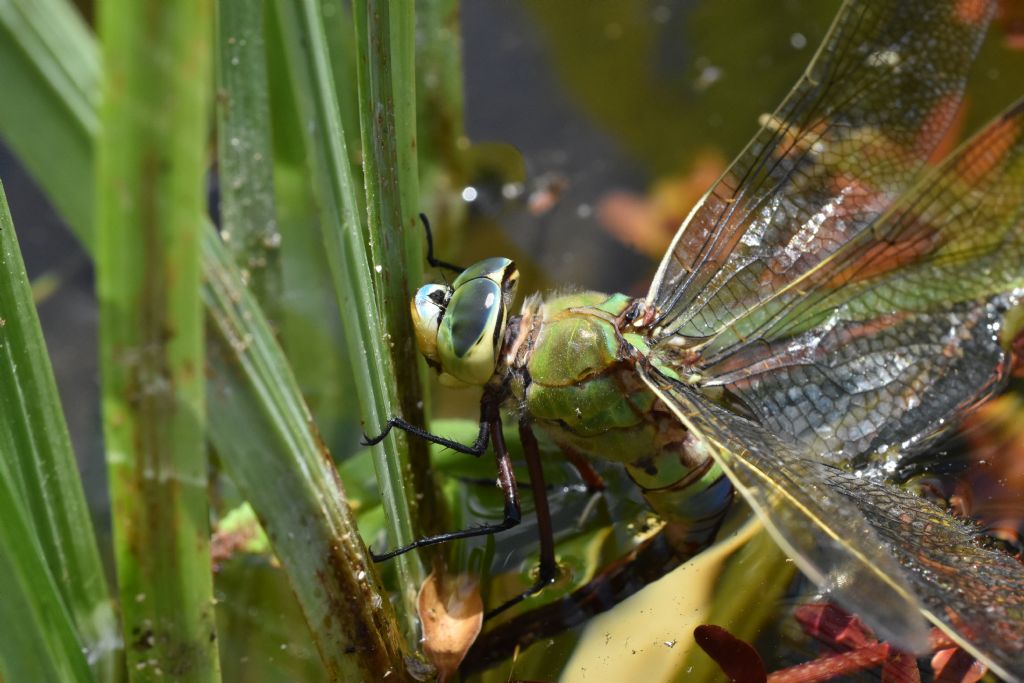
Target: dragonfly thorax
[460,327]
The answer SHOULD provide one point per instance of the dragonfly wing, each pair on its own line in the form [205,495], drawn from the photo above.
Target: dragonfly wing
[973,593]
[875,391]
[957,235]
[850,137]
[898,333]
[887,555]
[830,541]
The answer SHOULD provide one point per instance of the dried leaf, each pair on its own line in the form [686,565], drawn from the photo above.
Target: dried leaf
[452,613]
[648,223]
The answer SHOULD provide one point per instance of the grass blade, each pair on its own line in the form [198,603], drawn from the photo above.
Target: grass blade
[49,59]
[248,223]
[310,327]
[268,445]
[346,247]
[385,49]
[264,435]
[44,645]
[150,165]
[46,531]
[37,460]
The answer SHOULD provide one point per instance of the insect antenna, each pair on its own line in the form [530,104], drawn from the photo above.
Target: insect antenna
[435,262]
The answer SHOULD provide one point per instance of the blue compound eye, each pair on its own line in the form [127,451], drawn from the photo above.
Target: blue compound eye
[461,329]
[427,308]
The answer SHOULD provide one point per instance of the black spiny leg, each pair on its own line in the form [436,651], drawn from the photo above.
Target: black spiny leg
[436,263]
[547,572]
[506,480]
[477,448]
[488,410]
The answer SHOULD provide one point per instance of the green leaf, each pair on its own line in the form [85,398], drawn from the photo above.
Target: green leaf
[347,253]
[248,224]
[310,327]
[49,67]
[43,644]
[385,52]
[46,533]
[266,439]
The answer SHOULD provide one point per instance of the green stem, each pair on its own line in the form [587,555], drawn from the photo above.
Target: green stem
[347,254]
[150,165]
[385,45]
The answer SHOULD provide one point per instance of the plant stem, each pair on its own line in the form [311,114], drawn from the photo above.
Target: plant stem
[385,49]
[150,195]
[347,254]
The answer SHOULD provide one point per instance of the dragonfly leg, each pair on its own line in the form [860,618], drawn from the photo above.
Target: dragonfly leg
[547,572]
[488,417]
[477,448]
[507,482]
[436,263]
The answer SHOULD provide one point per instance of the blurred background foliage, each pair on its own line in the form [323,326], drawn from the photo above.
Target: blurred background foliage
[572,137]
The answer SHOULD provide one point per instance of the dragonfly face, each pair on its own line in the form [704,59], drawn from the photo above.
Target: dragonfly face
[460,328]
[830,298]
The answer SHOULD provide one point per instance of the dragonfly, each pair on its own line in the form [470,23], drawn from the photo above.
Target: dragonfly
[834,305]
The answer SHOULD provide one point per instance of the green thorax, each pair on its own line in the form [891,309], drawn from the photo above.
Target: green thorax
[573,372]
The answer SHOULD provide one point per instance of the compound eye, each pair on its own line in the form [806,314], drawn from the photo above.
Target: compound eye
[471,331]
[497,269]
[428,307]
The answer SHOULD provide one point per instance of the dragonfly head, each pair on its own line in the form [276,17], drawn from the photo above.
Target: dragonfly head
[460,327]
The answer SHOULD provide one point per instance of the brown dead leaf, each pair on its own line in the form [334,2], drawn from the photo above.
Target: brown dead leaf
[648,223]
[1010,19]
[452,613]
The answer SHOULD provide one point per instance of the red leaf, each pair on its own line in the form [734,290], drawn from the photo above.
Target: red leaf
[832,626]
[738,660]
[956,666]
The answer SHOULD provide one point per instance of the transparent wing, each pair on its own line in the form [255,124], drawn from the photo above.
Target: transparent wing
[974,593]
[850,137]
[887,555]
[882,389]
[895,335]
